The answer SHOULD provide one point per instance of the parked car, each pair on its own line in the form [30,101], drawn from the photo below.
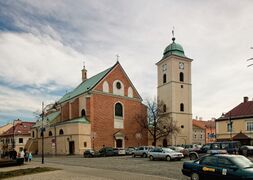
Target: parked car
[164,154]
[130,150]
[231,147]
[106,151]
[90,153]
[142,151]
[119,151]
[219,166]
[246,150]
[180,149]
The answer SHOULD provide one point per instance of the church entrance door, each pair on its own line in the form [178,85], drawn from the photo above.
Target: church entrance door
[71,147]
[119,143]
[165,143]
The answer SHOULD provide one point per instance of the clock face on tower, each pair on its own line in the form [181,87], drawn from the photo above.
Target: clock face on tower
[181,65]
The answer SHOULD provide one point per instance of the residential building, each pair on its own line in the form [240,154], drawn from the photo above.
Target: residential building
[236,124]
[198,132]
[100,111]
[16,136]
[174,89]
[203,131]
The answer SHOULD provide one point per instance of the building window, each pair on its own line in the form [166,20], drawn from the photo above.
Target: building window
[182,107]
[85,144]
[250,126]
[164,78]
[118,85]
[195,136]
[105,87]
[130,92]
[164,108]
[181,77]
[20,140]
[61,132]
[182,86]
[201,136]
[118,110]
[83,113]
[33,134]
[50,133]
[229,127]
[118,88]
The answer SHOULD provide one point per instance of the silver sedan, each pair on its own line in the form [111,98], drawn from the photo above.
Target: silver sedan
[164,153]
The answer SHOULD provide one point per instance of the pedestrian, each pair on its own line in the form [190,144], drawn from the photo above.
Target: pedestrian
[30,156]
[22,154]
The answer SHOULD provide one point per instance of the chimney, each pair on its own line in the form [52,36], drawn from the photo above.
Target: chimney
[245,99]
[84,74]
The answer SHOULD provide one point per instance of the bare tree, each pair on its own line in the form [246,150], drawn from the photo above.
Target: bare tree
[158,123]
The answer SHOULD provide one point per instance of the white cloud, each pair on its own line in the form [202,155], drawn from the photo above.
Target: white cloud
[29,60]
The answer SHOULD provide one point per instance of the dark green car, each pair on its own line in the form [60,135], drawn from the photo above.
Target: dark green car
[219,166]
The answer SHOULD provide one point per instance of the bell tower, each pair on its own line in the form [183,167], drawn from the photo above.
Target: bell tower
[175,91]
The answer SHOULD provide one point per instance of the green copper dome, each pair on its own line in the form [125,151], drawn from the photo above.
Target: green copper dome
[173,48]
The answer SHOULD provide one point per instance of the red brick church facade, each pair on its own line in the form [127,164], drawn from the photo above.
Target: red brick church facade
[111,106]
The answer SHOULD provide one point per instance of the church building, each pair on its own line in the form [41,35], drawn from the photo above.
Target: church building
[100,111]
[175,91]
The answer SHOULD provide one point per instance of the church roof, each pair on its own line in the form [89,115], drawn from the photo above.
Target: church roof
[85,86]
[81,120]
[175,49]
[48,119]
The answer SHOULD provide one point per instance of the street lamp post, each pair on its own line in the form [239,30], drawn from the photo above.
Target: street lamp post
[13,128]
[42,129]
[230,126]
[42,134]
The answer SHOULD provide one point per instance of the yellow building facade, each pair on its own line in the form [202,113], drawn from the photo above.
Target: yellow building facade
[237,124]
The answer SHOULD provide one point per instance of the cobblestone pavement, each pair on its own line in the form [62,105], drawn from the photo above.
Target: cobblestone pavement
[124,164]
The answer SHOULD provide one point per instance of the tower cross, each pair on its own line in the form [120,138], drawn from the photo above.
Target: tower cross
[117,56]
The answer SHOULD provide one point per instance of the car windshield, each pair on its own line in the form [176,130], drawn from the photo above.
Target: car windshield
[242,162]
[168,150]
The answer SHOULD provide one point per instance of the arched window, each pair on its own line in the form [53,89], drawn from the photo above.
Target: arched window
[118,110]
[33,134]
[50,133]
[181,107]
[83,113]
[61,132]
[130,92]
[105,87]
[164,78]
[181,77]
[164,108]
[118,88]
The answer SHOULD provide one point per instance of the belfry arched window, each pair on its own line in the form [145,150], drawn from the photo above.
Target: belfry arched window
[118,110]
[181,77]
[164,78]
[164,108]
[61,132]
[181,107]
[83,113]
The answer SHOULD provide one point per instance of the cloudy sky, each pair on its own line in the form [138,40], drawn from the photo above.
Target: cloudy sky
[43,45]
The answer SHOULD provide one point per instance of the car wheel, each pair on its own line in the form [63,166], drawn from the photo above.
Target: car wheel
[193,156]
[151,158]
[144,155]
[168,158]
[194,176]
[133,155]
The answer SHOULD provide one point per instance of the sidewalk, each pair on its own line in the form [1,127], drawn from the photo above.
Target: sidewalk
[69,172]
